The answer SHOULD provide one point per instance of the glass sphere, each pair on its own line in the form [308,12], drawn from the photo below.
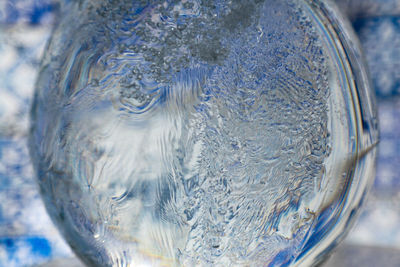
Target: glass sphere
[201,132]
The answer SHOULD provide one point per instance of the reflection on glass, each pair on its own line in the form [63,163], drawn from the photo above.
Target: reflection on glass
[208,133]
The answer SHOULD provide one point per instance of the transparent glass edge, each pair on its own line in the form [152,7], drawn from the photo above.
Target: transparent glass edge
[367,137]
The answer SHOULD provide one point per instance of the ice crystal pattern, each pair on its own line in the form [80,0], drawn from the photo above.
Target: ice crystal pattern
[184,132]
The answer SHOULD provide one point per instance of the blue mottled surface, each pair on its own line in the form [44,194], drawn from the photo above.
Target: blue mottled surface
[27,236]
[34,12]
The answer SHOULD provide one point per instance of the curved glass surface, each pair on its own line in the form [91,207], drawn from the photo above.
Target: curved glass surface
[198,133]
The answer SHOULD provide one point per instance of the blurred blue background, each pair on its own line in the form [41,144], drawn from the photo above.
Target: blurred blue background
[27,236]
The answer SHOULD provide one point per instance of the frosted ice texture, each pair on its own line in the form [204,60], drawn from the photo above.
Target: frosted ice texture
[184,132]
